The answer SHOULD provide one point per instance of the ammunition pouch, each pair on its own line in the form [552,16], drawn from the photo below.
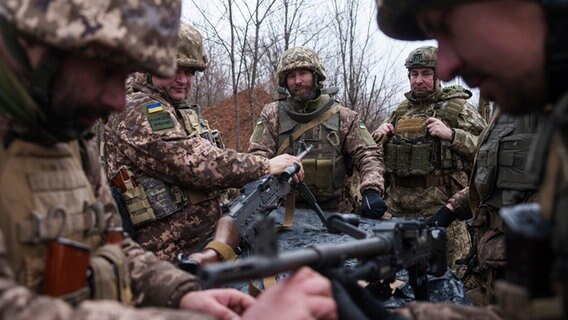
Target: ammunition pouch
[147,199]
[109,277]
[324,177]
[196,125]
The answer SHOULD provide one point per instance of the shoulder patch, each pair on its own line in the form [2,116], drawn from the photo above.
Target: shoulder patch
[154,107]
[365,135]
[160,121]
[258,131]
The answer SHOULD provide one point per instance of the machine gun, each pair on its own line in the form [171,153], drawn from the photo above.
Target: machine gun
[394,245]
[259,198]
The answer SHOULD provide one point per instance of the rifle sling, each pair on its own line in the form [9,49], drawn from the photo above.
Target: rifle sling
[225,252]
[307,126]
[290,206]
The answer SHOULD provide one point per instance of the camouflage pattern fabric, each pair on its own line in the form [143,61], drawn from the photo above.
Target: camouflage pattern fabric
[299,58]
[154,282]
[410,201]
[138,33]
[423,57]
[169,155]
[190,48]
[366,159]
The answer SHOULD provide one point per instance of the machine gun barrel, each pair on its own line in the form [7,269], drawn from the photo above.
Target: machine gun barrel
[317,257]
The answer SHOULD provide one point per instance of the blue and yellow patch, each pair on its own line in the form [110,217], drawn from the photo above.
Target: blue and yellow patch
[362,125]
[154,107]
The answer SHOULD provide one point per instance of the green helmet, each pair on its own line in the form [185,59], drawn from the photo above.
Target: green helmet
[139,33]
[190,48]
[397,19]
[423,57]
[299,58]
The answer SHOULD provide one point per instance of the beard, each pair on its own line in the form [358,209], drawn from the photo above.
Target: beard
[308,93]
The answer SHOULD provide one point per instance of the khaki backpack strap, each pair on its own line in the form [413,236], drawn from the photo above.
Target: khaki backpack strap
[225,252]
[290,206]
[307,126]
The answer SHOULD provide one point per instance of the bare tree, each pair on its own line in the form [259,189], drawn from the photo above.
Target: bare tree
[367,93]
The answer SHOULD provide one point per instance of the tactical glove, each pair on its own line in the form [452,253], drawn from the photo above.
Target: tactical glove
[443,218]
[372,205]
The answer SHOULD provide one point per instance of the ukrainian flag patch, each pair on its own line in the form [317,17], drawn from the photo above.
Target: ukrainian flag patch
[362,125]
[154,107]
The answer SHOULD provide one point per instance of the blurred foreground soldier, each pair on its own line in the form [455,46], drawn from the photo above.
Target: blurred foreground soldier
[169,166]
[429,142]
[341,140]
[499,179]
[63,65]
[516,53]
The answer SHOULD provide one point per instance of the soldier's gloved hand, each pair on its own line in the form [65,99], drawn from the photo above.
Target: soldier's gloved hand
[372,205]
[443,218]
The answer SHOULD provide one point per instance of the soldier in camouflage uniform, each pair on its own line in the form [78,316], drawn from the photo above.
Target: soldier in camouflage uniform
[341,140]
[516,52]
[169,165]
[499,179]
[429,141]
[63,65]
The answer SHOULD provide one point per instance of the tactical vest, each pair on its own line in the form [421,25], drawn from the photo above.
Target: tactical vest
[46,196]
[412,151]
[501,178]
[196,125]
[325,167]
[148,199]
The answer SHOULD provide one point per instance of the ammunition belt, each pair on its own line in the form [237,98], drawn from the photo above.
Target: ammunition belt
[420,181]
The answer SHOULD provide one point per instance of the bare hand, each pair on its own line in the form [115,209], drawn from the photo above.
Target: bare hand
[439,129]
[279,163]
[385,129]
[227,233]
[226,304]
[304,295]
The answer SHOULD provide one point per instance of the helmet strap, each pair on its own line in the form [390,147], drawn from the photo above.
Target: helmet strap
[556,47]
[44,76]
[10,39]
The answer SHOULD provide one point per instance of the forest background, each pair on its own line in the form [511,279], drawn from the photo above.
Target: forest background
[243,40]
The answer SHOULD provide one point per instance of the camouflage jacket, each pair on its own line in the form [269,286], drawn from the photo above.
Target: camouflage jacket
[365,156]
[164,151]
[153,282]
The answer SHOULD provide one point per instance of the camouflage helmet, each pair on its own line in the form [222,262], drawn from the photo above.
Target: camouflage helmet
[141,34]
[397,18]
[299,58]
[190,48]
[423,57]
